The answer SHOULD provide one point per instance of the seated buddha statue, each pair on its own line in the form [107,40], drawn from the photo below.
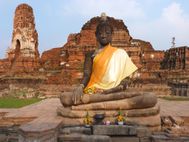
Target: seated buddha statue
[103,89]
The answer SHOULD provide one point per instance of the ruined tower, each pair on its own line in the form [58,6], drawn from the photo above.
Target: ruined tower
[23,52]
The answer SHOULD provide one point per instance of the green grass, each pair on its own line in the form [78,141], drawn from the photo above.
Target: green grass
[175,98]
[12,102]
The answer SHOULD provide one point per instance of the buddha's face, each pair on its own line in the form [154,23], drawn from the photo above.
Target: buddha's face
[104,35]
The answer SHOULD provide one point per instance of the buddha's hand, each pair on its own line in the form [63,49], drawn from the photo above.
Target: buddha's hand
[77,93]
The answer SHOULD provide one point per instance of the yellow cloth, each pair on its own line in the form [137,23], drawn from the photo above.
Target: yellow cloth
[110,67]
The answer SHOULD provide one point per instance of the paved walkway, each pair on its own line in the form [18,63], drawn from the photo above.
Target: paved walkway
[44,111]
[174,108]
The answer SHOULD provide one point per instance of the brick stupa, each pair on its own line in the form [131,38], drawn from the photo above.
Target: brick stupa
[23,53]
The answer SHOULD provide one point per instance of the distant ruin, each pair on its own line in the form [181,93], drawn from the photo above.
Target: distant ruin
[23,52]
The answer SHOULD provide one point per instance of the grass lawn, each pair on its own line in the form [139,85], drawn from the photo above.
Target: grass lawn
[11,102]
[175,98]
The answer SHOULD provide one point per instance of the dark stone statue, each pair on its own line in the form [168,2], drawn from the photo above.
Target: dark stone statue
[107,71]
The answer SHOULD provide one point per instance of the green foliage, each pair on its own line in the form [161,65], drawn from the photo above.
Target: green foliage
[13,102]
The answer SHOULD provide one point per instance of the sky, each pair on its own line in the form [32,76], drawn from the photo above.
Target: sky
[156,21]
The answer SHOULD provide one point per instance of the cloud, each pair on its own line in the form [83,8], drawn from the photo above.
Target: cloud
[173,22]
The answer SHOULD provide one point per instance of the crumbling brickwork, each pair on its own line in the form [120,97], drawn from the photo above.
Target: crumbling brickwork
[23,52]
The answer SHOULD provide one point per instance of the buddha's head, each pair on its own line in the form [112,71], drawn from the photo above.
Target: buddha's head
[104,32]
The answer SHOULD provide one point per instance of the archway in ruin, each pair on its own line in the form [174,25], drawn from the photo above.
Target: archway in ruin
[16,53]
[17,49]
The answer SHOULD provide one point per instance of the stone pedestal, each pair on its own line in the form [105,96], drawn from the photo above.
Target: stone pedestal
[138,108]
[115,133]
[105,133]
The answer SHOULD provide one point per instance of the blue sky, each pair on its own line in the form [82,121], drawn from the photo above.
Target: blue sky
[156,21]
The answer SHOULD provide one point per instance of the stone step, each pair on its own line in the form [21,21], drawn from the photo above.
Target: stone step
[83,138]
[9,134]
[104,133]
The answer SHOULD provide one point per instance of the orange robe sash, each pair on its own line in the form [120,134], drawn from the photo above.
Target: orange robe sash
[100,63]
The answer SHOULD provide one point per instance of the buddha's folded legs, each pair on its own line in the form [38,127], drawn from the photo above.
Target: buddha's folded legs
[136,102]
[140,98]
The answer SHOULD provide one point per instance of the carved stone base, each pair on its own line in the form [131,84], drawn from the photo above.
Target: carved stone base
[137,108]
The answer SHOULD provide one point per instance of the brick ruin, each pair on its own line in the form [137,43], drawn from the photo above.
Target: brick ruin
[176,59]
[23,53]
[176,65]
[64,65]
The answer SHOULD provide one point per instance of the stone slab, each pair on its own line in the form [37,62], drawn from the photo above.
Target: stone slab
[41,124]
[40,130]
[114,130]
[79,130]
